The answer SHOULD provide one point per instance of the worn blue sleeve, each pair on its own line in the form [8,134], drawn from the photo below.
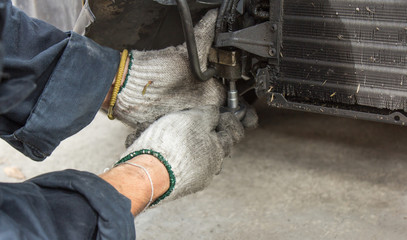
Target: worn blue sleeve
[64,205]
[70,76]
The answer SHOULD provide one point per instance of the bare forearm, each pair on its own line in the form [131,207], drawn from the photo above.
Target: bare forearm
[133,182]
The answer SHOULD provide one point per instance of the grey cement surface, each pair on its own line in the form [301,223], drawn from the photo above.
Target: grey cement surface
[297,176]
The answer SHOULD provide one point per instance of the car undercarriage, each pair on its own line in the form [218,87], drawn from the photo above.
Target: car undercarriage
[344,58]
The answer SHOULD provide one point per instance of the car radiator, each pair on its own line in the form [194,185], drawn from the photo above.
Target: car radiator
[344,54]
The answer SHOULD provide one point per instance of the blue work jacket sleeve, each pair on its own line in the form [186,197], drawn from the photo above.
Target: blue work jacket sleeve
[64,205]
[55,82]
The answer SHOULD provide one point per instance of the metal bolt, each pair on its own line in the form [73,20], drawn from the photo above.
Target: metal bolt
[272,52]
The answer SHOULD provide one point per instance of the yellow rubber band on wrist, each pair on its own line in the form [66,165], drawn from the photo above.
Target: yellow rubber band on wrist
[117,83]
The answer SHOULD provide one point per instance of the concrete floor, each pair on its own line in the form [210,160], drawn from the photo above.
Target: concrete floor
[297,176]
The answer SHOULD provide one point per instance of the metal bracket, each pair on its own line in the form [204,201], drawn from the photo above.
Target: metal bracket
[279,101]
[276,19]
[257,39]
[223,57]
[262,81]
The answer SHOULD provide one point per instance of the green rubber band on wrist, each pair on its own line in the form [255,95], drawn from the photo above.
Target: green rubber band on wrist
[162,160]
[128,72]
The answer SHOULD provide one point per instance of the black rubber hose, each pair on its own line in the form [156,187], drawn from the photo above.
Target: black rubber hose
[221,17]
[232,16]
[188,28]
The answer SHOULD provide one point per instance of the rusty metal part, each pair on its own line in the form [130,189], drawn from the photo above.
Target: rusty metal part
[227,63]
[223,57]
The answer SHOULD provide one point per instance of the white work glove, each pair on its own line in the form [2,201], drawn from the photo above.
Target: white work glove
[160,82]
[192,144]
[249,121]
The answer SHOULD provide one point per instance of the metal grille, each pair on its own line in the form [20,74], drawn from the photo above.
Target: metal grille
[352,52]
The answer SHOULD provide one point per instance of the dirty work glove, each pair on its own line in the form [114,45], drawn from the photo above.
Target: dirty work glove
[160,82]
[250,121]
[192,144]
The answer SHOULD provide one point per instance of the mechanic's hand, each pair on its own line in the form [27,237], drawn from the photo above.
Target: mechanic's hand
[160,82]
[193,143]
[249,121]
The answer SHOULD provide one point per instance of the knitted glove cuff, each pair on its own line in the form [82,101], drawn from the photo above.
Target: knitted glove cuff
[128,72]
[162,160]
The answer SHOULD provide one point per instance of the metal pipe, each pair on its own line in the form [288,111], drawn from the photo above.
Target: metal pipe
[188,28]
